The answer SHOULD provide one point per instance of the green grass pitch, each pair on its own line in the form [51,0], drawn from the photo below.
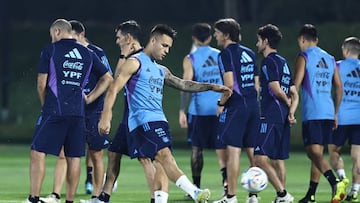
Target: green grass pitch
[14,180]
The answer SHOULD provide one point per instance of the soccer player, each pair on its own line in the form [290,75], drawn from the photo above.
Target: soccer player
[201,66]
[316,75]
[144,80]
[239,114]
[127,38]
[348,116]
[278,101]
[64,69]
[96,143]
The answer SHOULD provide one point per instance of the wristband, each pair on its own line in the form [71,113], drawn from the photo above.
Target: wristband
[219,104]
[122,56]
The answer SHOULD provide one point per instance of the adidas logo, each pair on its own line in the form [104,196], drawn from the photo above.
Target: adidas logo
[322,64]
[106,142]
[75,54]
[245,58]
[257,148]
[209,62]
[286,69]
[354,74]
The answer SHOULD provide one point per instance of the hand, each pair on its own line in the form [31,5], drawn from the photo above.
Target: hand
[183,120]
[104,123]
[291,119]
[335,125]
[219,110]
[221,88]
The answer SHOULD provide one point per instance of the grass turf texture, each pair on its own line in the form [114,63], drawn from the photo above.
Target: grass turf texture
[14,170]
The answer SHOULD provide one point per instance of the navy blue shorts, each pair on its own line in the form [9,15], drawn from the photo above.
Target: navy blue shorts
[346,132]
[94,140]
[273,140]
[203,132]
[121,142]
[317,132]
[238,127]
[150,138]
[53,132]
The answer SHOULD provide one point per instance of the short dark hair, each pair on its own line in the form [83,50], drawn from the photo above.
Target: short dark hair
[229,26]
[163,29]
[77,26]
[352,44]
[272,33]
[309,32]
[130,27]
[201,31]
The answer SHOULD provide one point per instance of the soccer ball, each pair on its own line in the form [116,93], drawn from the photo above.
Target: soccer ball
[254,179]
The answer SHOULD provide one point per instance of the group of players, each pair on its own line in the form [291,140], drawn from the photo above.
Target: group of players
[330,108]
[77,92]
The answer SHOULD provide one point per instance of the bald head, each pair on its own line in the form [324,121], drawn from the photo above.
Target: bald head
[60,29]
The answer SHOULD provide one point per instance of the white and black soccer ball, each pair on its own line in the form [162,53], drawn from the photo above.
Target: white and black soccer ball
[254,179]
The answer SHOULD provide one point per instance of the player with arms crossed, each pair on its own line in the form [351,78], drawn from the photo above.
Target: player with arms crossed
[144,80]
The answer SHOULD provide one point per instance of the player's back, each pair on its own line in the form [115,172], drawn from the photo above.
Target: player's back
[317,103]
[68,65]
[349,70]
[206,69]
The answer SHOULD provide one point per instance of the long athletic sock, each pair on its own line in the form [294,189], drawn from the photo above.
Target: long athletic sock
[196,180]
[184,183]
[312,189]
[281,193]
[104,197]
[89,174]
[68,201]
[56,195]
[223,174]
[161,196]
[152,200]
[33,199]
[329,175]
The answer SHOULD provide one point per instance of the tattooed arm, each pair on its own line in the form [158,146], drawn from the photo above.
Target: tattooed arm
[191,86]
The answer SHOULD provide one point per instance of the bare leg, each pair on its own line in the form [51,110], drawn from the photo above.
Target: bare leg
[72,177]
[98,170]
[37,171]
[197,164]
[250,155]
[112,172]
[59,173]
[233,168]
[262,162]
[280,169]
[337,163]
[149,171]
[355,157]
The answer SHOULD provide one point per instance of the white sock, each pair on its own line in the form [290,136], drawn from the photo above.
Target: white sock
[161,196]
[355,187]
[184,183]
[341,173]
